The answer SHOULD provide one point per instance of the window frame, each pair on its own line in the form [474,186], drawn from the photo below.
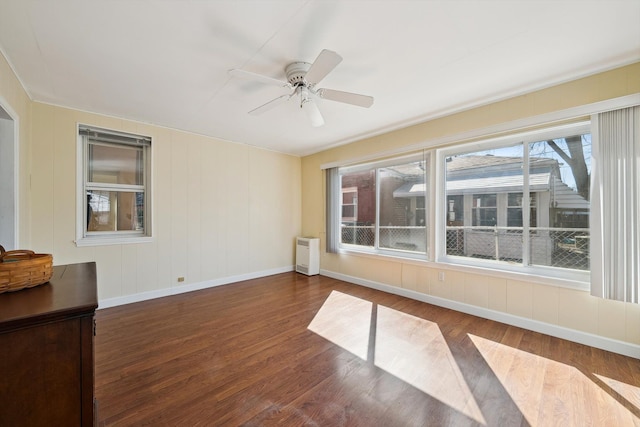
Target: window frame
[571,114]
[525,138]
[422,156]
[122,140]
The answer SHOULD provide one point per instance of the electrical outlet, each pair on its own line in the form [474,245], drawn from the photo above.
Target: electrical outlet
[441,276]
[180,279]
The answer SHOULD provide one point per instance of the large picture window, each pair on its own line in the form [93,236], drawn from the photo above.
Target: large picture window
[382,206]
[517,203]
[521,204]
[115,186]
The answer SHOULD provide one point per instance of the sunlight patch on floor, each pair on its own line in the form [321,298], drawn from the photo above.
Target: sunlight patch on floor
[547,392]
[345,321]
[407,347]
[414,350]
[629,392]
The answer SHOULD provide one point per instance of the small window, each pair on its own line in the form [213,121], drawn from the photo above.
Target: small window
[115,187]
[514,209]
[485,211]
[350,204]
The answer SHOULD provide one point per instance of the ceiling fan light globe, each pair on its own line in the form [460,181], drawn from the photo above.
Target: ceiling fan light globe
[313,113]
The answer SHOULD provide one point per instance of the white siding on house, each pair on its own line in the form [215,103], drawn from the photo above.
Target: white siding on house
[564,197]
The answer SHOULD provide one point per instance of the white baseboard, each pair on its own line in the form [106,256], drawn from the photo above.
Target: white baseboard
[159,293]
[597,341]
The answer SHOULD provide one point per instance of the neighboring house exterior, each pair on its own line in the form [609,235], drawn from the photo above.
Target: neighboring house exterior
[402,219]
[485,193]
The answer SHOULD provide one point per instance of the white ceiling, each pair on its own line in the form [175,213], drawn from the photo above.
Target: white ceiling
[167,62]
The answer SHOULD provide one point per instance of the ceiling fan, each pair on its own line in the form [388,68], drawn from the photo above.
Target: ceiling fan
[302,79]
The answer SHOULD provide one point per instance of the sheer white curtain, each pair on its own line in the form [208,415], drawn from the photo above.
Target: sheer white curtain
[615,245]
[333,210]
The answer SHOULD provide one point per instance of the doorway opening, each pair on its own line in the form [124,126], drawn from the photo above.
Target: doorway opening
[8,181]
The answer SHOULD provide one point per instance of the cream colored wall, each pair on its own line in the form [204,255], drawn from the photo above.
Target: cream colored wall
[14,98]
[220,209]
[560,306]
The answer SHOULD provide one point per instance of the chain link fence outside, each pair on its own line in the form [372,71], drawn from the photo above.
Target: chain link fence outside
[361,235]
[412,239]
[555,247]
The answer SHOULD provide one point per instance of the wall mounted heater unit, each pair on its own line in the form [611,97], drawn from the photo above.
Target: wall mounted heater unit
[308,255]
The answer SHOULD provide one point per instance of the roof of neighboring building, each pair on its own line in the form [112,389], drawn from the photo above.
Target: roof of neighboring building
[487,161]
[488,174]
[499,184]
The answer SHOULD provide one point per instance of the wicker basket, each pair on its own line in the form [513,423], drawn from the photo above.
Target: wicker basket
[23,269]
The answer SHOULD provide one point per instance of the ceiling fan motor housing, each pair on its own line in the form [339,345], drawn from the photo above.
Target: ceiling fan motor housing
[295,73]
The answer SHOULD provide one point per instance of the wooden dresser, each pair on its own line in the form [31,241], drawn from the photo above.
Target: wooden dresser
[46,350]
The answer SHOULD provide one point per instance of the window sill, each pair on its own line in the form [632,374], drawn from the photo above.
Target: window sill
[391,254]
[105,241]
[573,280]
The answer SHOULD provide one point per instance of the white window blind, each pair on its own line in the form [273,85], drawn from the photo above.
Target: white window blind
[616,206]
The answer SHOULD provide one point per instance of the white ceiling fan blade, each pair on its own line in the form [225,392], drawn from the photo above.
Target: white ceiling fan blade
[346,97]
[312,111]
[271,104]
[324,63]
[236,72]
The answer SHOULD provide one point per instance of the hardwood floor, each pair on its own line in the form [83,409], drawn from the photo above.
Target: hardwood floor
[294,350]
